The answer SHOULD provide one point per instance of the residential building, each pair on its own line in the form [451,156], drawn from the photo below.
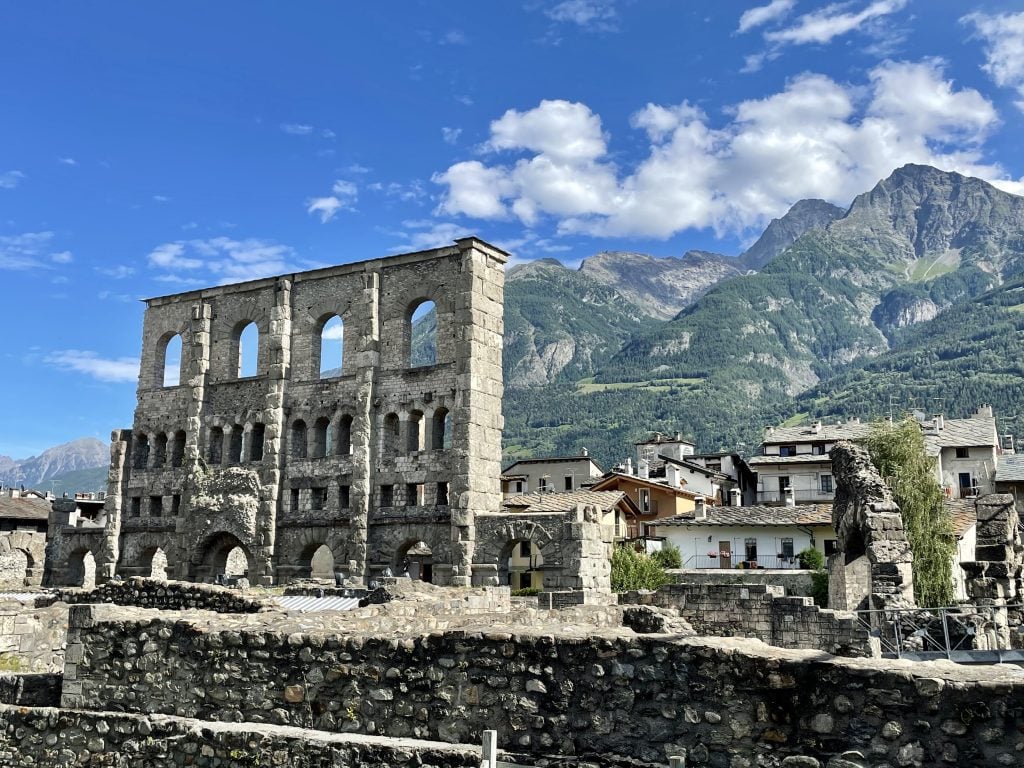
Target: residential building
[559,474]
[758,536]
[654,499]
[1010,478]
[966,451]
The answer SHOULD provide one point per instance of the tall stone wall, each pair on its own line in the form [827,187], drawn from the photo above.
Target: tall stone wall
[22,554]
[994,578]
[33,639]
[372,460]
[721,702]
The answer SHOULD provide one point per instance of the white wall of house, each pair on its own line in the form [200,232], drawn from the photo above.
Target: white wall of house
[965,553]
[810,482]
[695,542]
[979,465]
[556,476]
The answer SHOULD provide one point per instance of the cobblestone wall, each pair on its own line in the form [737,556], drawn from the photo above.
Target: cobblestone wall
[167,596]
[762,611]
[53,738]
[32,639]
[724,702]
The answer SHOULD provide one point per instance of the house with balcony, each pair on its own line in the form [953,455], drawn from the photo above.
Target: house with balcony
[653,498]
[966,452]
[758,536]
[553,474]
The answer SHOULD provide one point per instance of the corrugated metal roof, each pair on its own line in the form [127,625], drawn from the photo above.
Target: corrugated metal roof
[309,604]
[24,508]
[757,514]
[1010,469]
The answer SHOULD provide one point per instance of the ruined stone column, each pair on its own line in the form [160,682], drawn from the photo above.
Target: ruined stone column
[477,421]
[117,485]
[993,578]
[364,428]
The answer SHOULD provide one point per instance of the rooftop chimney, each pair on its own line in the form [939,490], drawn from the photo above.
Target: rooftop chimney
[817,427]
[789,497]
[679,436]
[735,497]
[938,422]
[585,452]
[643,470]
[700,511]
[629,466]
[672,475]
[984,412]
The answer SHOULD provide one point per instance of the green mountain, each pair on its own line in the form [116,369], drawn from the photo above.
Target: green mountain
[920,245]
[804,216]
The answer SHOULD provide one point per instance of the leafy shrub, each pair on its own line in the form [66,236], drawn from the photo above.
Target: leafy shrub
[668,556]
[811,559]
[632,570]
[819,588]
[525,592]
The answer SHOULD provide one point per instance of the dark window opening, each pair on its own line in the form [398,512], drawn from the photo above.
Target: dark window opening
[787,450]
[135,509]
[256,438]
[442,494]
[215,450]
[235,446]
[318,498]
[787,548]
[750,550]
[387,495]
[160,451]
[178,449]
[175,505]
[963,453]
[295,500]
[156,506]
[344,497]
[298,439]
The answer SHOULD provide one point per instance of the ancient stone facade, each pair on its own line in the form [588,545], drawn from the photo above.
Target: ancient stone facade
[872,567]
[994,578]
[378,461]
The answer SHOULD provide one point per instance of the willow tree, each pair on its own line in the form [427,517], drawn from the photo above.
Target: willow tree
[898,451]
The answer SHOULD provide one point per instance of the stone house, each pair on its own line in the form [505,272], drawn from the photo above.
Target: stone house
[559,474]
[764,536]
[23,525]
[258,446]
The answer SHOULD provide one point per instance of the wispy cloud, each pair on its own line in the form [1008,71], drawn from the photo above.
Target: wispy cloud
[453,37]
[591,15]
[226,259]
[343,196]
[1004,48]
[161,199]
[824,24]
[358,169]
[327,133]
[297,129]
[120,369]
[451,135]
[762,14]
[409,192]
[27,251]
[10,179]
[67,161]
[61,257]
[119,272]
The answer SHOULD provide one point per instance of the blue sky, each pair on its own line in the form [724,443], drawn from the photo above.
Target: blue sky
[146,150]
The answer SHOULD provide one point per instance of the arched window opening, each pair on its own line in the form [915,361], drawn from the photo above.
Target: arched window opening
[215,449]
[321,438]
[169,362]
[521,568]
[441,430]
[158,565]
[248,351]
[159,451]
[344,441]
[298,439]
[415,560]
[322,563]
[332,348]
[414,432]
[237,564]
[423,335]
[256,440]
[390,436]
[178,449]
[141,452]
[235,447]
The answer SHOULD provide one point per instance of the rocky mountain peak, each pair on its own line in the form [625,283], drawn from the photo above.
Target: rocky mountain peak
[802,217]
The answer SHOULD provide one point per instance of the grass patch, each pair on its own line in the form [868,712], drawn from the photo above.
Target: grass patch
[589,386]
[794,420]
[1016,308]
[928,269]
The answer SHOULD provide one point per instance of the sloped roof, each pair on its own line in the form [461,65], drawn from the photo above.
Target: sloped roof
[802,458]
[648,482]
[692,466]
[960,433]
[563,502]
[829,433]
[757,514]
[550,460]
[1010,469]
[963,514]
[24,508]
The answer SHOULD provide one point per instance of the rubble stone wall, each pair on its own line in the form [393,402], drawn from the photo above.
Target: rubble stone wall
[761,611]
[33,639]
[166,596]
[795,582]
[722,702]
[53,738]
[22,554]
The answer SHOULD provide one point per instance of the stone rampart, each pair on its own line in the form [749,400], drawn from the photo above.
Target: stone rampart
[723,702]
[54,738]
[761,611]
[166,596]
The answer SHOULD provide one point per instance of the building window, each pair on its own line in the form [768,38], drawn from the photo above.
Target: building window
[783,483]
[442,430]
[422,330]
[298,439]
[645,501]
[321,438]
[248,341]
[963,453]
[414,432]
[414,494]
[235,446]
[524,549]
[332,348]
[178,449]
[344,435]
[135,508]
[344,497]
[826,484]
[568,482]
[318,498]
[787,549]
[442,495]
[387,495]
[831,547]
[519,486]
[215,450]
[542,484]
[175,505]
[750,550]
[159,451]
[818,449]
[141,452]
[256,438]
[295,499]
[156,506]
[389,436]
[787,450]
[168,361]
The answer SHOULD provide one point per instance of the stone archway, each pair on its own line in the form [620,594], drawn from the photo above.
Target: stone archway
[81,570]
[520,564]
[214,559]
[415,558]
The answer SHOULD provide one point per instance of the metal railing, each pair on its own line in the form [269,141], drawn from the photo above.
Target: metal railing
[957,633]
[778,497]
[762,561]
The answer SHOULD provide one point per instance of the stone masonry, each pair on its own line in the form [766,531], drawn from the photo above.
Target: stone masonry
[380,459]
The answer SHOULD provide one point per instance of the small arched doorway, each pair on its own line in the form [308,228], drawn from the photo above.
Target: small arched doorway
[415,560]
[82,569]
[223,559]
[158,565]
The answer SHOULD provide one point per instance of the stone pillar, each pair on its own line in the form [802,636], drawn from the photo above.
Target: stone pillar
[364,422]
[279,350]
[117,488]
[476,420]
[994,577]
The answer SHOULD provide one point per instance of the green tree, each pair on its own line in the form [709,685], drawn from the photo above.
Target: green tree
[898,451]
[668,556]
[633,570]
[811,559]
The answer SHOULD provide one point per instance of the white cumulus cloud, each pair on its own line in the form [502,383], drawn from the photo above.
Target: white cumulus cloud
[343,196]
[594,15]
[823,25]
[1004,48]
[226,259]
[762,14]
[815,138]
[10,179]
